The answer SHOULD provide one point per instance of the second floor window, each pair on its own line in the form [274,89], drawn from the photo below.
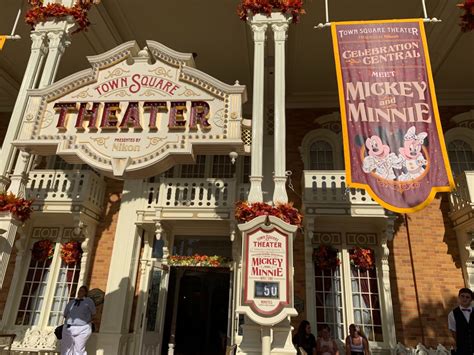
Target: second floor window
[321,156]
[461,156]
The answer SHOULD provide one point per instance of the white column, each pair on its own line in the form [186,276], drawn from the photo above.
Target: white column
[122,272]
[33,68]
[280,32]
[259,35]
[58,41]
[386,301]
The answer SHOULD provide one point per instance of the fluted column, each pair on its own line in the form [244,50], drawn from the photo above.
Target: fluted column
[58,42]
[280,29]
[259,35]
[39,50]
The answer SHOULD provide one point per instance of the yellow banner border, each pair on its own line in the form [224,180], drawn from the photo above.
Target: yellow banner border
[345,135]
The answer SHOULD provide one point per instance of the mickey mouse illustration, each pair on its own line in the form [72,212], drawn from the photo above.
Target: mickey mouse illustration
[411,156]
[379,159]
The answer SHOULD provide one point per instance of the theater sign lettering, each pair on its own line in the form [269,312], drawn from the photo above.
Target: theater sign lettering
[135,113]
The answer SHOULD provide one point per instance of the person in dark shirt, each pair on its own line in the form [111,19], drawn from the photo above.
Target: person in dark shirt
[461,323]
[304,339]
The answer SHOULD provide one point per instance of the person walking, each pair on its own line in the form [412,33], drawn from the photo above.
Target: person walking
[461,323]
[304,340]
[356,342]
[78,325]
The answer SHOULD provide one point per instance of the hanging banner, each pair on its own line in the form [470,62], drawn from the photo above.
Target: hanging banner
[393,139]
[3,39]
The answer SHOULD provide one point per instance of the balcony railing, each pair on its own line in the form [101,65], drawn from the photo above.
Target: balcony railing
[462,199]
[177,193]
[62,188]
[327,191]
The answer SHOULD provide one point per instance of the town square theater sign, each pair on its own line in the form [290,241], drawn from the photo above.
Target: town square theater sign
[135,113]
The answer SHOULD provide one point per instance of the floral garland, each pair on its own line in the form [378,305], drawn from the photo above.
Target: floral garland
[40,13]
[266,7]
[467,19]
[245,212]
[198,260]
[325,257]
[20,208]
[71,252]
[362,258]
[42,250]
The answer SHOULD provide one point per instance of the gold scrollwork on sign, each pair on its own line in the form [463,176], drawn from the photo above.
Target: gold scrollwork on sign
[120,93]
[116,72]
[47,119]
[218,118]
[82,95]
[151,92]
[188,92]
[161,71]
[153,141]
[101,141]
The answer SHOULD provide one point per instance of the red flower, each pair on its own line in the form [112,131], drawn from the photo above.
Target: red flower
[20,208]
[42,250]
[362,259]
[467,19]
[266,7]
[245,212]
[325,257]
[71,252]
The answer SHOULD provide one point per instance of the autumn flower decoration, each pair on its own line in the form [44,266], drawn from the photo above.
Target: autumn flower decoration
[245,212]
[198,260]
[467,19]
[42,250]
[19,207]
[266,7]
[71,252]
[362,258]
[325,257]
[41,13]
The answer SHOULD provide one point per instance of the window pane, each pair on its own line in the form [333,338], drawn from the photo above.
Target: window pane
[194,170]
[365,301]
[33,292]
[66,286]
[329,304]
[222,167]
[320,156]
[152,306]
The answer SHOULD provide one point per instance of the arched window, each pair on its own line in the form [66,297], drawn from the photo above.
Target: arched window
[461,156]
[321,156]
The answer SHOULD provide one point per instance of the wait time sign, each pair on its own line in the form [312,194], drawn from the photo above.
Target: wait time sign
[267,272]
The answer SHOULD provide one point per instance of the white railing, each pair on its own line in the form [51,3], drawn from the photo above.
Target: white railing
[66,186]
[193,193]
[329,187]
[463,197]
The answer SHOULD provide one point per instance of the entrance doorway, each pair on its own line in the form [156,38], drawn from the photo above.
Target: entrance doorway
[197,309]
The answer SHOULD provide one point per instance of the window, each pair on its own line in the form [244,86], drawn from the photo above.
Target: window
[60,164]
[348,295]
[461,156]
[222,167]
[49,285]
[32,298]
[194,170]
[321,156]
[246,170]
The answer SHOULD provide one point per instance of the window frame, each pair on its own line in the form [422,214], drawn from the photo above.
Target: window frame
[343,241]
[321,134]
[63,235]
[459,134]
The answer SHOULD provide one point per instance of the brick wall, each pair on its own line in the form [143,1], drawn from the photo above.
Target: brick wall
[101,252]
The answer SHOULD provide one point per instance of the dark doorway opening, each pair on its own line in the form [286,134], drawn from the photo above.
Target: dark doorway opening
[201,317]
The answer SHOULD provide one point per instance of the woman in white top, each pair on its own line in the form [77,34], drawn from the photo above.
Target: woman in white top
[356,342]
[325,345]
[78,324]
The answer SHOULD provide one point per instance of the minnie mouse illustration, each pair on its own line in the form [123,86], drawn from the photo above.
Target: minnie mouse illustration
[411,156]
[379,159]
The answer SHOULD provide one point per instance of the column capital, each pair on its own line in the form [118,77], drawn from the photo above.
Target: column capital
[59,40]
[280,31]
[259,31]
[38,40]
